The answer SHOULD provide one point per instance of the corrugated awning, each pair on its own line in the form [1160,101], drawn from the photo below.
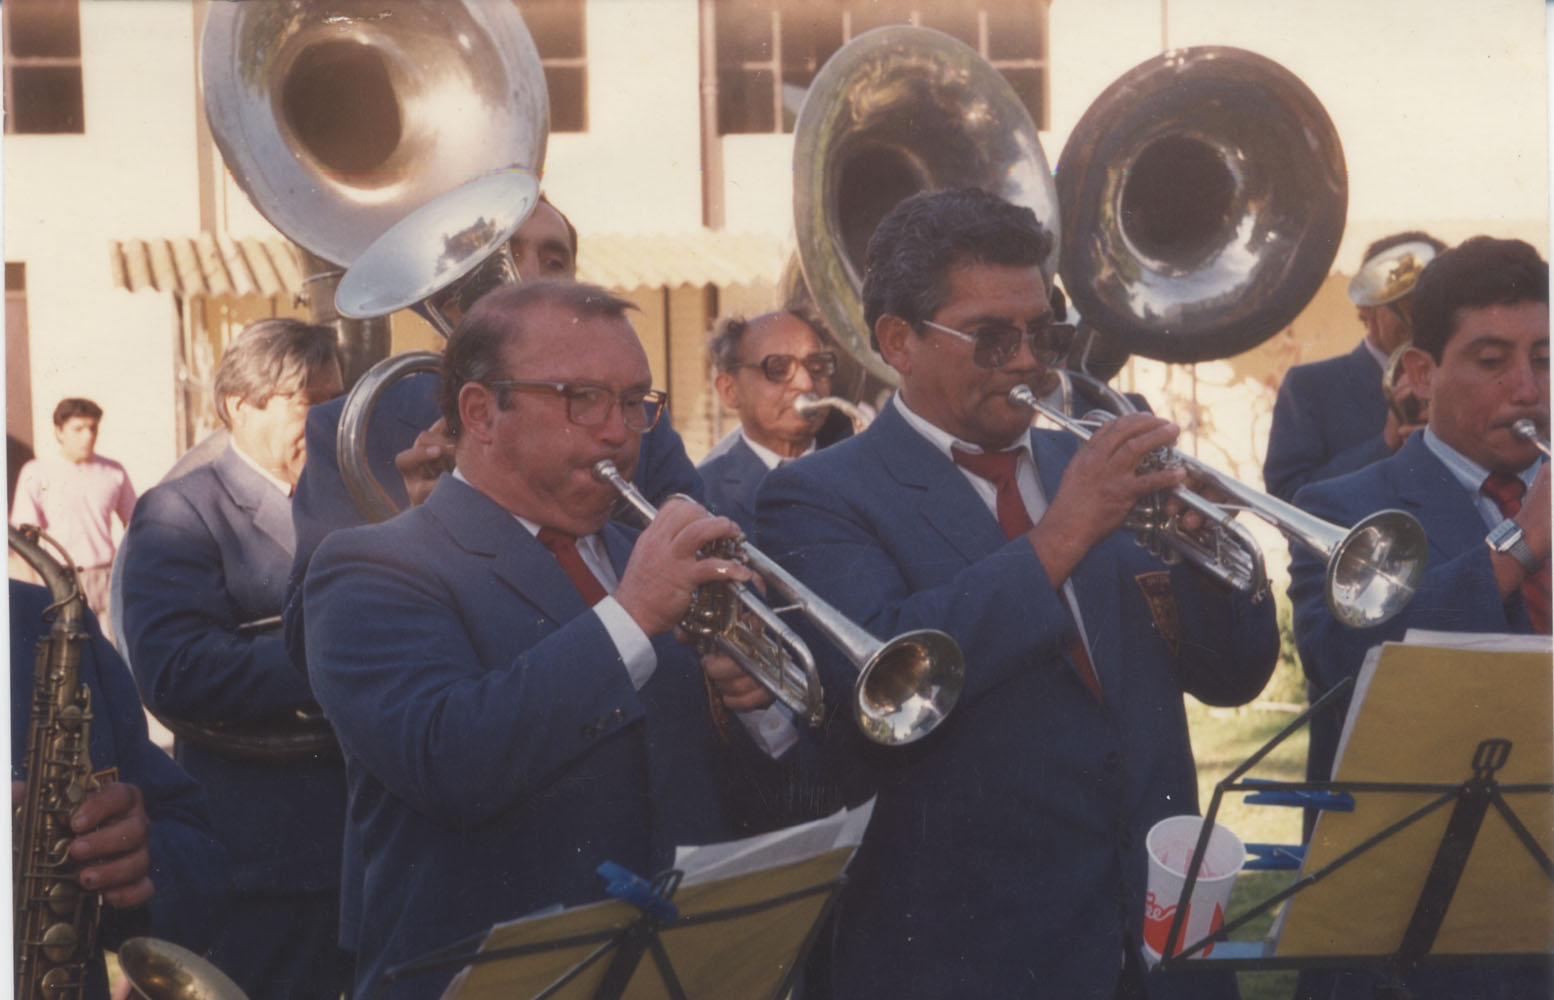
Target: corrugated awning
[211,265]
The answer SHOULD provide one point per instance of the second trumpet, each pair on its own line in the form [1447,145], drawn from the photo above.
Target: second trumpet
[1372,568]
[905,687]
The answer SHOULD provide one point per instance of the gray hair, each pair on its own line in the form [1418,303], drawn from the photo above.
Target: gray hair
[274,356]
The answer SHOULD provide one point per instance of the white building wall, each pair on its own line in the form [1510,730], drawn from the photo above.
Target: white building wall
[131,174]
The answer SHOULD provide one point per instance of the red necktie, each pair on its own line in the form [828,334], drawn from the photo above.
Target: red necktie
[1507,491]
[1000,469]
[564,546]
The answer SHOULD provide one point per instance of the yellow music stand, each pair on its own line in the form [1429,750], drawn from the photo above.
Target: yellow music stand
[1448,754]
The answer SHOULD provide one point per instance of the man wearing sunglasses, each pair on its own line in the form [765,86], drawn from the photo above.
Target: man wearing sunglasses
[764,366]
[1006,853]
[1331,416]
[498,662]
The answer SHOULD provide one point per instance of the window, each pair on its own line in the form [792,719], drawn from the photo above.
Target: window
[557,29]
[42,66]
[768,51]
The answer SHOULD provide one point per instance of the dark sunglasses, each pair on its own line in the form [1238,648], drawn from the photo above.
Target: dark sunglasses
[781,367]
[994,345]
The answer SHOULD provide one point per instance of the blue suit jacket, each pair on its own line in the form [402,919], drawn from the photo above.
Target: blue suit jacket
[1458,593]
[1327,421]
[408,407]
[204,554]
[731,472]
[1006,853]
[497,751]
[188,865]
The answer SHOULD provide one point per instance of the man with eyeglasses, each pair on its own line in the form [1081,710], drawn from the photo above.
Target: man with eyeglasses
[765,365]
[1006,853]
[498,661]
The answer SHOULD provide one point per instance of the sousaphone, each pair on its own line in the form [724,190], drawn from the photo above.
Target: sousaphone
[1204,195]
[339,118]
[896,111]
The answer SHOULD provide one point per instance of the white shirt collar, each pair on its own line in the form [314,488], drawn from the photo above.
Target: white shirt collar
[269,477]
[942,439]
[768,457]
[1466,471]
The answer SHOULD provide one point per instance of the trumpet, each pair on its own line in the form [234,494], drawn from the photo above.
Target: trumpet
[809,404]
[1373,568]
[905,687]
[1528,431]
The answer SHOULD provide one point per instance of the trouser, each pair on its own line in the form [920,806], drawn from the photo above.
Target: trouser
[284,945]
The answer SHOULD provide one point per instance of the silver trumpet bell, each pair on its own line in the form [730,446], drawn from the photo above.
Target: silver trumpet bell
[905,687]
[1373,568]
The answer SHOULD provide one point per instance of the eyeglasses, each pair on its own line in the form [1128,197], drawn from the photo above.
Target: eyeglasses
[780,368]
[589,405]
[994,345]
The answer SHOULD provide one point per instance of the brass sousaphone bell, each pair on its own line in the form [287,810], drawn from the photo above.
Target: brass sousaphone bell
[1204,195]
[897,111]
[339,118]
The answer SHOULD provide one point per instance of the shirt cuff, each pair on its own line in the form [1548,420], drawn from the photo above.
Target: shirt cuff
[633,644]
[771,728]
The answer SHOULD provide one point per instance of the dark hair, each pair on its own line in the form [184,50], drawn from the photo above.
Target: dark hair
[474,352]
[729,336]
[926,235]
[571,229]
[1398,239]
[76,406]
[277,355]
[1482,271]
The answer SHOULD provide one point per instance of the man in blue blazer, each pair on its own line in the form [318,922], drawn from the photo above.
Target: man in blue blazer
[1006,853]
[407,446]
[1481,360]
[146,841]
[205,562]
[764,365]
[1331,416]
[497,661]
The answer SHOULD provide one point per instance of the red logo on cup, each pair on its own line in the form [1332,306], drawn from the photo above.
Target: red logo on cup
[1157,925]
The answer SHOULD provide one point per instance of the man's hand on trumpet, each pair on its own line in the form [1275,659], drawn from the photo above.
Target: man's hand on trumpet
[665,567]
[1100,486]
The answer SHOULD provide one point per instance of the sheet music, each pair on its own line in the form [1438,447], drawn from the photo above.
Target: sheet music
[843,828]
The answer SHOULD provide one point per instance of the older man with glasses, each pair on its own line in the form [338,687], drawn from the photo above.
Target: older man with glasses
[765,365]
[498,662]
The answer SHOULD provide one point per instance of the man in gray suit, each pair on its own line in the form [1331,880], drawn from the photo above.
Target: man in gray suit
[205,562]
[764,365]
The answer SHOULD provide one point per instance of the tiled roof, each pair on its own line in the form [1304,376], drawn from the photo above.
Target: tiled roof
[212,265]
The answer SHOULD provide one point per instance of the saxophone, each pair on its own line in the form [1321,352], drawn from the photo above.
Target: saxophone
[55,920]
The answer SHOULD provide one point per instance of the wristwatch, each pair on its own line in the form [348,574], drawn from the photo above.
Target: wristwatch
[1506,538]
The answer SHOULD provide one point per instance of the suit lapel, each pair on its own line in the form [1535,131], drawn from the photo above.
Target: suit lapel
[481,527]
[267,506]
[948,503]
[1428,490]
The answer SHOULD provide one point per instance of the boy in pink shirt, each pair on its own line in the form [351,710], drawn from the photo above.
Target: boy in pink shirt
[74,495]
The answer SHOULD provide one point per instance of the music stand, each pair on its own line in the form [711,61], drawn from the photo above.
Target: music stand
[1449,887]
[743,935]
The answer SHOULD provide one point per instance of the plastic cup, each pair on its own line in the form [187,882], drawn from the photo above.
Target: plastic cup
[1170,845]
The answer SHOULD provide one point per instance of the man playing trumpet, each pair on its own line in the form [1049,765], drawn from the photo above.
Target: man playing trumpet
[765,365]
[1480,359]
[497,661]
[1006,853]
